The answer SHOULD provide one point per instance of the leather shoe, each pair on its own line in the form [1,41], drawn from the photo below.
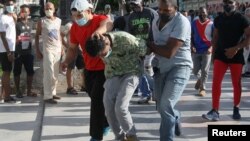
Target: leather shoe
[50,101]
[56,97]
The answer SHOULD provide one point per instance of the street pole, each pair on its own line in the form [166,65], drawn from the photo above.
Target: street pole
[178,4]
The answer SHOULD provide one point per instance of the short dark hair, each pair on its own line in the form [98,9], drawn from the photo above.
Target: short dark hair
[202,8]
[183,11]
[226,1]
[94,46]
[7,1]
[172,2]
[24,6]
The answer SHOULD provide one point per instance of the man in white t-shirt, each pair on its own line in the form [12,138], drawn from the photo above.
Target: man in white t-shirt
[7,47]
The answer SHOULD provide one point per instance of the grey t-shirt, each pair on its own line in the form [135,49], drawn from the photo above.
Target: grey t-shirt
[178,28]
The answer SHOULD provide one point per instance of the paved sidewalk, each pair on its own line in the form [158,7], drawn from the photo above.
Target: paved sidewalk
[21,122]
[69,119]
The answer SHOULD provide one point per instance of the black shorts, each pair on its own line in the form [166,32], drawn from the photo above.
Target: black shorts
[78,62]
[6,64]
[27,61]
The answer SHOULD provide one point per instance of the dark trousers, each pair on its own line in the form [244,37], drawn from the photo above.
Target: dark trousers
[94,87]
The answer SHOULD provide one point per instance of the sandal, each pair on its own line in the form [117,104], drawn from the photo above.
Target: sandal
[32,94]
[83,89]
[71,91]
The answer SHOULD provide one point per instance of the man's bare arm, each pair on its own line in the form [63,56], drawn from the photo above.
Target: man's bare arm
[71,53]
[38,33]
[230,52]
[169,50]
[4,40]
[105,26]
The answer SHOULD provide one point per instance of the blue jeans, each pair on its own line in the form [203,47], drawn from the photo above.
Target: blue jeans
[168,89]
[146,85]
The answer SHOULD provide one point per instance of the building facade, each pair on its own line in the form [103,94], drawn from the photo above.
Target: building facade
[195,4]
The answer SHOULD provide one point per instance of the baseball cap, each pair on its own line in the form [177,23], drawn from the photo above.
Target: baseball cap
[107,6]
[81,5]
[137,2]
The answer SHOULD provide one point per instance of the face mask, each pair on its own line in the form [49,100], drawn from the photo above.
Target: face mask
[136,10]
[166,18]
[82,21]
[49,13]
[10,9]
[228,8]
[107,55]
[202,18]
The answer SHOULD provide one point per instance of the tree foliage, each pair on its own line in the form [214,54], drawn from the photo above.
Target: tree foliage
[55,2]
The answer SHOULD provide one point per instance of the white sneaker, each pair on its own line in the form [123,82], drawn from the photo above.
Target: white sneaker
[1,101]
[12,100]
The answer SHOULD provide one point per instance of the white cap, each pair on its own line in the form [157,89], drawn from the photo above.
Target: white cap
[81,5]
[137,2]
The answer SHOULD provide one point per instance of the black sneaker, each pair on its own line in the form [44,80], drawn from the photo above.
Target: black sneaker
[143,100]
[19,94]
[83,89]
[236,113]
[177,127]
[12,100]
[71,91]
[56,97]
[246,74]
[212,115]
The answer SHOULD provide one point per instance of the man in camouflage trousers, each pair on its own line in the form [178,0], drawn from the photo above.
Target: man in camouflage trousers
[121,53]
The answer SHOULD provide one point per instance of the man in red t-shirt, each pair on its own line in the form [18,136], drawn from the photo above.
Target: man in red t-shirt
[87,25]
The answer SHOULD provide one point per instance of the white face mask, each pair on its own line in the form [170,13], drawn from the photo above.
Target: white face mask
[82,21]
[10,9]
[108,54]
[49,13]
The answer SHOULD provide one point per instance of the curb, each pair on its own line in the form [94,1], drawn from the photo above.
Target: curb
[39,119]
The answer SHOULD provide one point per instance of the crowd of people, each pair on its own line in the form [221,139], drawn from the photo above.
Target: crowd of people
[153,51]
[216,9]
